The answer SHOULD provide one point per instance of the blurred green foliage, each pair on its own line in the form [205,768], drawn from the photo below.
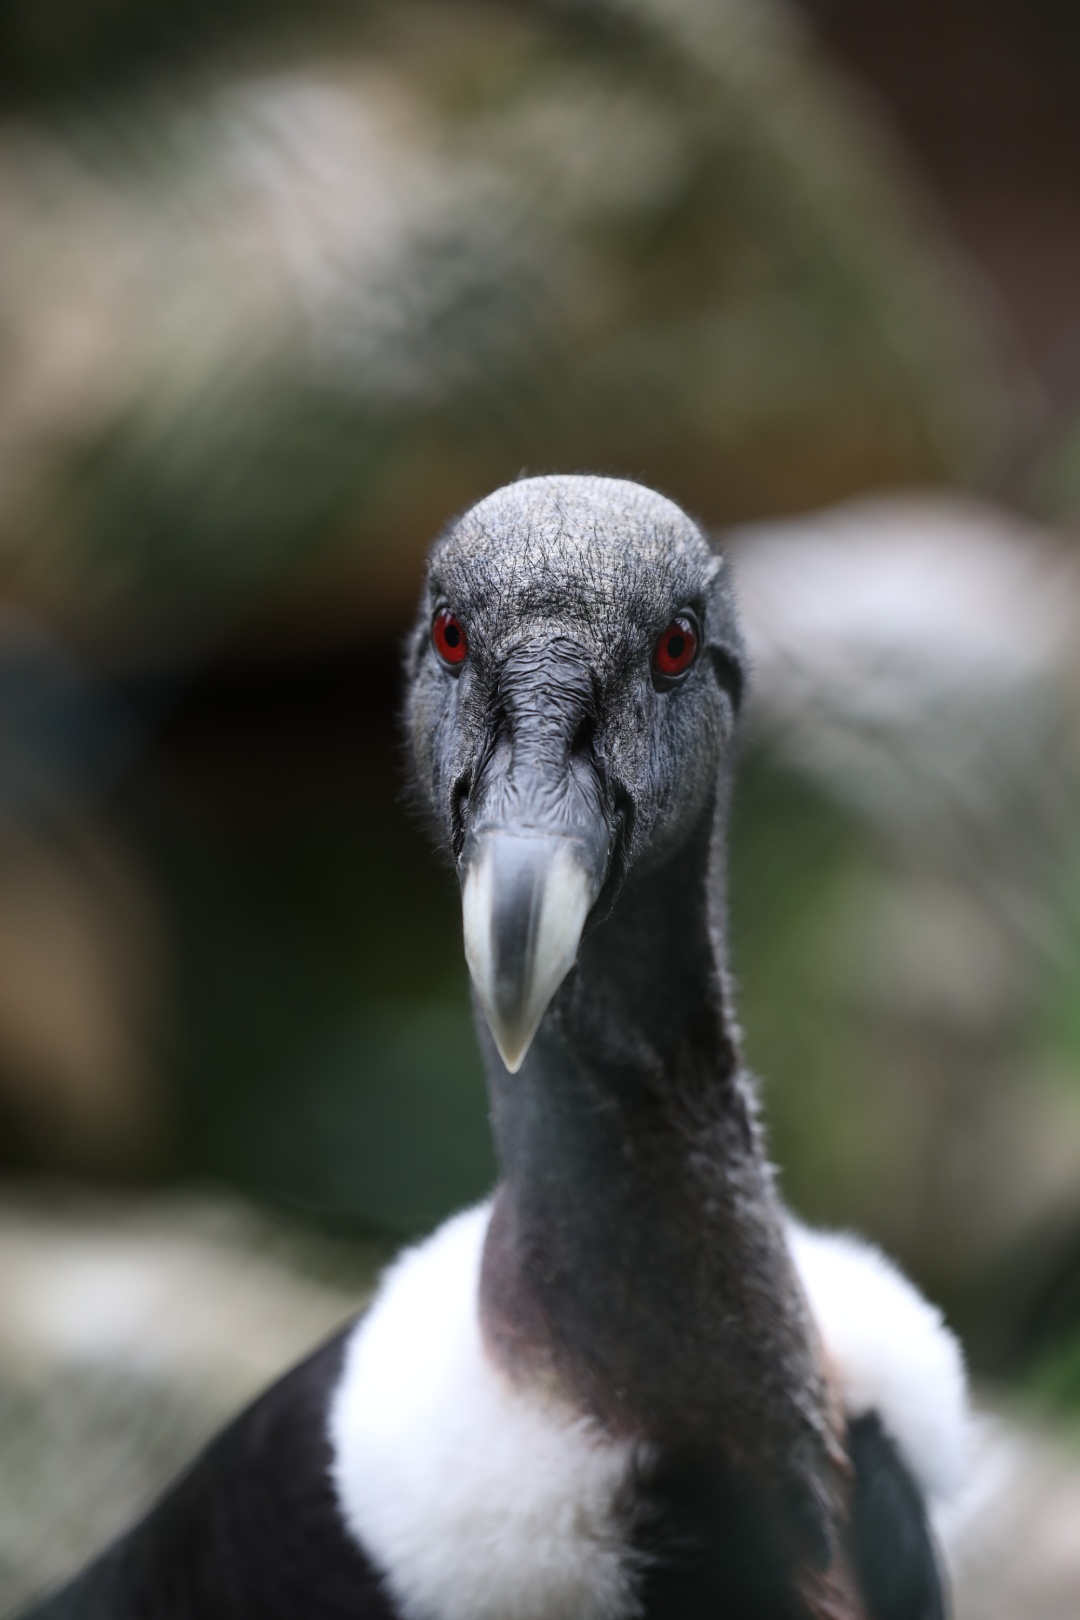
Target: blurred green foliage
[330,1059]
[795,859]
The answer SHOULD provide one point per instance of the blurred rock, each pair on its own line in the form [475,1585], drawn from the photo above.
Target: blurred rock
[1013,1539]
[314,296]
[129,1334]
[917,654]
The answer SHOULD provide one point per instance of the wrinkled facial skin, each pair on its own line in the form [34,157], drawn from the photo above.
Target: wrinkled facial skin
[557,720]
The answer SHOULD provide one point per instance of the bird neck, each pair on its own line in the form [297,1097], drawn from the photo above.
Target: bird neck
[636,1258]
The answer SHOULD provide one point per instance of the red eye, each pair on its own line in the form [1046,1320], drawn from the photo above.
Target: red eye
[448,635]
[677,647]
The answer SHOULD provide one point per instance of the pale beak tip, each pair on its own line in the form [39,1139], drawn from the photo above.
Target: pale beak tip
[512,1028]
[511,1052]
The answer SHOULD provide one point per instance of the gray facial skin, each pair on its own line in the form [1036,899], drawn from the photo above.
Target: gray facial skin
[557,756]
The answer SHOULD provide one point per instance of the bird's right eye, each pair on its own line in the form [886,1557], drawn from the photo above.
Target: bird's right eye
[449,639]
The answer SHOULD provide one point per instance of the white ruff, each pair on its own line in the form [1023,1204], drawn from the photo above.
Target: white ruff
[890,1351]
[476,1500]
[481,1501]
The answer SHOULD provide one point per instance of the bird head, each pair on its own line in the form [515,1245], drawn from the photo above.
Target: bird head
[574,676]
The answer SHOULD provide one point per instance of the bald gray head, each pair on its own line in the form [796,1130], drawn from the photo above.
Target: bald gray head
[575,672]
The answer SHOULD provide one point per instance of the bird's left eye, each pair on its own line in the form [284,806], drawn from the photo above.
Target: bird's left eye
[676,648]
[449,638]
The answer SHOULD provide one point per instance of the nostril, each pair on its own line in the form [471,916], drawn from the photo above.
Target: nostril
[622,833]
[585,735]
[459,812]
[624,829]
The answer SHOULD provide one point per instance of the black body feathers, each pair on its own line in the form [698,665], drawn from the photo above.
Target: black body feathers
[894,1547]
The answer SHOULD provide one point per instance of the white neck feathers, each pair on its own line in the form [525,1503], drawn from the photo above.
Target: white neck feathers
[480,1500]
[477,1500]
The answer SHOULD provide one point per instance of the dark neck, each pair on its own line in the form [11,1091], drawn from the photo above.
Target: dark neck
[636,1256]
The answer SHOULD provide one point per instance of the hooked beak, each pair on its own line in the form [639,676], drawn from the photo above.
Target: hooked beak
[525,899]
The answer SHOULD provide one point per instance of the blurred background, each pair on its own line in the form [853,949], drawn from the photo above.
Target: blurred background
[281,289]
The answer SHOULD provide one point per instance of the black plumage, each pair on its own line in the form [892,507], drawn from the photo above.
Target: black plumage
[894,1544]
